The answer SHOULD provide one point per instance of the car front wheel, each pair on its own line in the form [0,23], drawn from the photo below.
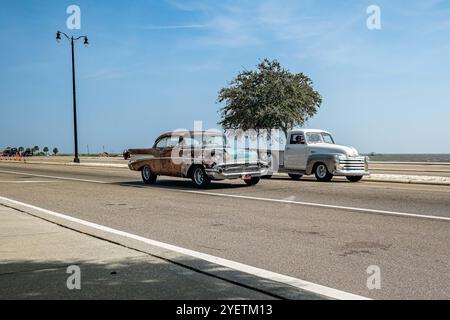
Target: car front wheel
[321,172]
[199,177]
[354,178]
[148,176]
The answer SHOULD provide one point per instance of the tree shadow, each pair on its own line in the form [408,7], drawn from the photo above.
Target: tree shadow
[141,277]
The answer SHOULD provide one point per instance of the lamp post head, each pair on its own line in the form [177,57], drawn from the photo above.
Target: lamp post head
[58,36]
[86,41]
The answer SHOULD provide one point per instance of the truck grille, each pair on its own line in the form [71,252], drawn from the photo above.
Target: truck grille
[353,164]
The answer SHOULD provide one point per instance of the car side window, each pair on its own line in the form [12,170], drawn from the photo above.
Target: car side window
[173,141]
[190,142]
[161,143]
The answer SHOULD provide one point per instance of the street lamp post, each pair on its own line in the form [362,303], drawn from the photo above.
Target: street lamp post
[72,43]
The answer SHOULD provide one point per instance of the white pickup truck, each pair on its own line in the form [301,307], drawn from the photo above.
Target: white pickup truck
[311,151]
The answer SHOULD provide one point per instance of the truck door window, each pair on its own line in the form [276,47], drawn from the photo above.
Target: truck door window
[297,138]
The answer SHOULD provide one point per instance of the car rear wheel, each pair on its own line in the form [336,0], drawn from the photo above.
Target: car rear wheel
[354,178]
[252,181]
[199,177]
[295,176]
[321,172]
[148,176]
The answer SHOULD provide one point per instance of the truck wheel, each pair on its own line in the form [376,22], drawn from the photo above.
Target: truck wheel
[252,181]
[354,178]
[321,172]
[199,177]
[295,176]
[148,176]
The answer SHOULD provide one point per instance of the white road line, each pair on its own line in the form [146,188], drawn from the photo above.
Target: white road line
[284,201]
[52,177]
[298,283]
[30,181]
[320,205]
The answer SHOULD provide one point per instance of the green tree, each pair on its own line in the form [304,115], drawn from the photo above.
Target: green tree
[270,97]
[35,149]
[46,150]
[21,149]
[55,151]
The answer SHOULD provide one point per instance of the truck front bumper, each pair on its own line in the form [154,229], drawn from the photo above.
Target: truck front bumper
[351,166]
[349,173]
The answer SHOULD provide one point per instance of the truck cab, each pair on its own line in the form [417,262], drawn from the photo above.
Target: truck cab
[313,151]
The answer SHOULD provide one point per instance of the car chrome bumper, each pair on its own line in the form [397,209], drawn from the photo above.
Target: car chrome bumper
[236,171]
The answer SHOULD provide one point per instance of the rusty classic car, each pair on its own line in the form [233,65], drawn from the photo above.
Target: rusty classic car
[200,156]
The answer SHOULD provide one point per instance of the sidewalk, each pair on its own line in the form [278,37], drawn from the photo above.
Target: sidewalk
[35,255]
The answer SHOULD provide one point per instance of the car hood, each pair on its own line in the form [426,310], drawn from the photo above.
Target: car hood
[241,154]
[236,154]
[334,148]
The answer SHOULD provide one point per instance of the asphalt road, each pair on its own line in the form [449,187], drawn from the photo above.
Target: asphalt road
[280,225]
[405,168]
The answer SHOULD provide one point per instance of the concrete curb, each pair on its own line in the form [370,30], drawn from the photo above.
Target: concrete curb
[406,179]
[410,179]
[411,163]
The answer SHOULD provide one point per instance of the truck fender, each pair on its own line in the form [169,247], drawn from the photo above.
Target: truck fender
[327,159]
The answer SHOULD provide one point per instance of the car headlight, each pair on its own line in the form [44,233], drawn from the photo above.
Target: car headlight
[264,157]
[218,158]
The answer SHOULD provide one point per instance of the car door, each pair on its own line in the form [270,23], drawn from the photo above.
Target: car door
[173,156]
[157,154]
[296,152]
[168,158]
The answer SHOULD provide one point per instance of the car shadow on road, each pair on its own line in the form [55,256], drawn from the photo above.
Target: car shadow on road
[182,185]
[302,180]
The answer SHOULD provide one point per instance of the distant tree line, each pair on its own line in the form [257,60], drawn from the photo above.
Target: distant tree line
[35,150]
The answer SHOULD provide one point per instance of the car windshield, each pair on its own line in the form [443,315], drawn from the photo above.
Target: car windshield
[208,140]
[319,137]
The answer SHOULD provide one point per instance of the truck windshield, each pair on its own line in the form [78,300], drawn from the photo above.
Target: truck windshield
[319,137]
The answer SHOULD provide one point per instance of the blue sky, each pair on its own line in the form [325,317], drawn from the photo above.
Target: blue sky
[155,66]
